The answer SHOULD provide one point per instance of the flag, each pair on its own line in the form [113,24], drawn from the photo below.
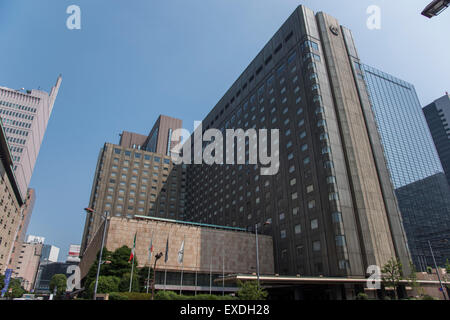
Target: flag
[181,253]
[150,250]
[134,247]
[166,257]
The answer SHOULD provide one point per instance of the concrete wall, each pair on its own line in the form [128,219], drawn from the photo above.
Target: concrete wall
[204,247]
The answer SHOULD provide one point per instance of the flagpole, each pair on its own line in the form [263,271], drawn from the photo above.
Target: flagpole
[132,263]
[150,262]
[182,265]
[223,268]
[131,277]
[165,277]
[210,275]
[166,258]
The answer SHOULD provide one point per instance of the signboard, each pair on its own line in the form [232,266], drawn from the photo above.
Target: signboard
[8,273]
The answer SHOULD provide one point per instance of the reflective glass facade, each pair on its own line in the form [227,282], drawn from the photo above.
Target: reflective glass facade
[407,142]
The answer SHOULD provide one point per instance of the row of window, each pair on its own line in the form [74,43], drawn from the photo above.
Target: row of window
[17,106]
[16,114]
[17,123]
[16,131]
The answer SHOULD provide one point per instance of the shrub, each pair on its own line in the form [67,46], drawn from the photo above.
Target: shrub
[117,296]
[427,297]
[362,296]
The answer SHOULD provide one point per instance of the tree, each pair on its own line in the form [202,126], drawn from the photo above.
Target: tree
[447,270]
[413,280]
[114,264]
[124,285]
[15,286]
[392,274]
[249,291]
[58,282]
[106,284]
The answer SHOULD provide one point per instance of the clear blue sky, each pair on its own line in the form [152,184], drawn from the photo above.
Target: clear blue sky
[133,60]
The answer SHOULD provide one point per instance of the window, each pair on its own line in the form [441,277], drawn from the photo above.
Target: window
[314,224]
[281,216]
[316,246]
[294,196]
[343,264]
[333,196]
[306,161]
[336,217]
[311,204]
[295,211]
[309,188]
[331,180]
[283,234]
[340,241]
[298,229]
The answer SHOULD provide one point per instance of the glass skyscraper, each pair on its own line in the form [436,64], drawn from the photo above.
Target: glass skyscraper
[407,142]
[416,171]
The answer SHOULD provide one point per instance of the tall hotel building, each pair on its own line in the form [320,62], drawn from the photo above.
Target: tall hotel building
[25,117]
[420,185]
[331,207]
[130,181]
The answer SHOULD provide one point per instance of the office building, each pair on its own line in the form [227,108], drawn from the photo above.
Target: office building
[25,117]
[437,115]
[74,253]
[27,210]
[47,270]
[26,267]
[35,239]
[425,207]
[331,206]
[416,172]
[159,139]
[407,142]
[49,253]
[131,181]
[11,202]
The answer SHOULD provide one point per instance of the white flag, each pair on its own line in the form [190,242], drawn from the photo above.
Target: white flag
[181,253]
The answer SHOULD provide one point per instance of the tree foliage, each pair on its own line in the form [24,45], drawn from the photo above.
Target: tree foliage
[58,282]
[249,290]
[392,274]
[15,287]
[106,284]
[114,264]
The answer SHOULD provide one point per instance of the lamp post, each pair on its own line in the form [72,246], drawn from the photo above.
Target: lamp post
[157,257]
[437,270]
[257,250]
[105,216]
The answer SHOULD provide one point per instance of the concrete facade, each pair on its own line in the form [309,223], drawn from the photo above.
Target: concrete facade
[11,203]
[332,206]
[129,182]
[23,227]
[159,139]
[27,264]
[25,117]
[205,248]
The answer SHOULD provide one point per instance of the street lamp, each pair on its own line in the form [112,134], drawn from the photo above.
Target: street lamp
[257,249]
[157,257]
[435,265]
[435,8]
[105,216]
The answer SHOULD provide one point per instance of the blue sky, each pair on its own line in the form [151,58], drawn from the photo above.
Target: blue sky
[133,60]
